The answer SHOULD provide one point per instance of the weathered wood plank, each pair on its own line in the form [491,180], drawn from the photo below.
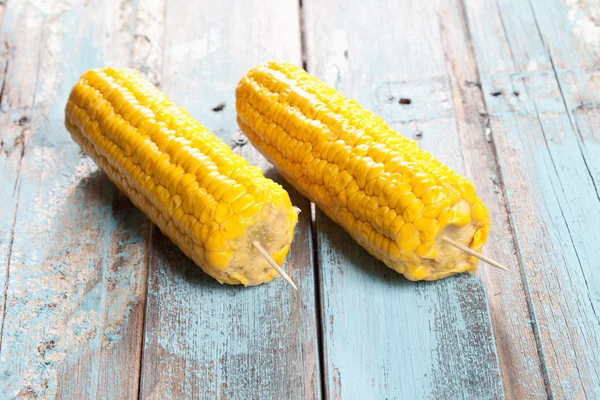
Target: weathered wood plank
[204,340]
[386,337]
[15,108]
[8,170]
[538,62]
[11,146]
[520,363]
[76,281]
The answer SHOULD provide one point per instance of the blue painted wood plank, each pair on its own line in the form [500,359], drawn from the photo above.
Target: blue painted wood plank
[10,160]
[509,306]
[539,76]
[203,339]
[16,101]
[385,337]
[76,268]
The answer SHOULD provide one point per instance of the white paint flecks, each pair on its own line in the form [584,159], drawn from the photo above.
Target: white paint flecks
[195,49]
[148,39]
[532,65]
[585,16]
[68,296]
[77,267]
[337,59]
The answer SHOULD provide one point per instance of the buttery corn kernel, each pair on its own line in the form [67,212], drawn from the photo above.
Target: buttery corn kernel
[417,272]
[479,212]
[216,242]
[424,249]
[222,213]
[220,260]
[460,214]
[405,200]
[409,237]
[432,195]
[413,210]
[423,186]
[242,203]
[395,226]
[478,239]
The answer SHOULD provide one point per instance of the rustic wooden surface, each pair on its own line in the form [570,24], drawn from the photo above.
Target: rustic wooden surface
[96,303]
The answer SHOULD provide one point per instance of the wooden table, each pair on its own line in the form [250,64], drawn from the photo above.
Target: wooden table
[97,303]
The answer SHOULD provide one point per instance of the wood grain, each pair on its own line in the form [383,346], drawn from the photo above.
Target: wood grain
[539,77]
[76,262]
[386,337]
[506,92]
[520,363]
[148,39]
[11,145]
[203,339]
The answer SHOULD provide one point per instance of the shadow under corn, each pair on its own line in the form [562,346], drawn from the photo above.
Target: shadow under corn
[164,257]
[126,217]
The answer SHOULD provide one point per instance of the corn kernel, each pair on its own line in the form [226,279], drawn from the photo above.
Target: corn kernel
[460,214]
[413,210]
[409,237]
[219,259]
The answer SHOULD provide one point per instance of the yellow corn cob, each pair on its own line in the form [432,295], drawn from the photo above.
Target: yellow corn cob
[394,198]
[202,195]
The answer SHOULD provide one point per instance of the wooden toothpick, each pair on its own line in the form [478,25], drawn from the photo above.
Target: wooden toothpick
[267,257]
[474,253]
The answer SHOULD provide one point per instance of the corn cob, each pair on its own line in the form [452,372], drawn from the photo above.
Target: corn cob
[394,198]
[203,196]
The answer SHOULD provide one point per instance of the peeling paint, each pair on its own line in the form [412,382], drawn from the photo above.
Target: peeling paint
[77,260]
[585,16]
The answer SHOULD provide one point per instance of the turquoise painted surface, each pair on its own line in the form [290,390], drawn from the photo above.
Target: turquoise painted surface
[505,92]
[545,124]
